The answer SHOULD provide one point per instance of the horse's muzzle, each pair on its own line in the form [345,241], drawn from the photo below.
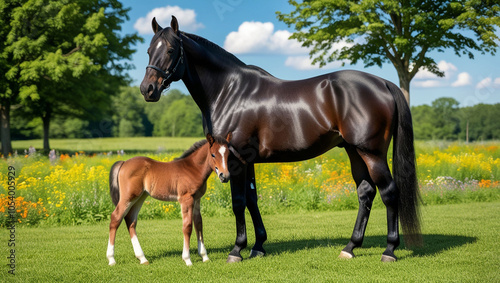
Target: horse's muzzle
[151,94]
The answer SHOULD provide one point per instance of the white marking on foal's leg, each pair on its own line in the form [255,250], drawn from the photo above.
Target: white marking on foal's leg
[202,251]
[222,150]
[110,253]
[185,254]
[138,250]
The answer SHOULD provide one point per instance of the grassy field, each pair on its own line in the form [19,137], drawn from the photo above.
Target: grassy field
[461,245]
[133,144]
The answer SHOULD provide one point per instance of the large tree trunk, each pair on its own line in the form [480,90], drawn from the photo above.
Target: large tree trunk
[46,126]
[404,84]
[5,128]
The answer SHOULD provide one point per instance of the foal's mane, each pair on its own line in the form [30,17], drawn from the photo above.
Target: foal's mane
[197,145]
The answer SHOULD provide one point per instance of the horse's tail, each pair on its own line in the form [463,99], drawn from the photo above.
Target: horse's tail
[114,186]
[404,169]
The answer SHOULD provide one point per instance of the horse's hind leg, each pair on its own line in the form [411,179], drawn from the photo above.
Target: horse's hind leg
[366,194]
[187,203]
[198,227]
[381,175]
[131,220]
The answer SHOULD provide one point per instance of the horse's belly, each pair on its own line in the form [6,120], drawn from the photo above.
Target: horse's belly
[315,148]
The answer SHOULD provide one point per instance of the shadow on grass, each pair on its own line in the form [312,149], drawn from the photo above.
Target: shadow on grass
[433,245]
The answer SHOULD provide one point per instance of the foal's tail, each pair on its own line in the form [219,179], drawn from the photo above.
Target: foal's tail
[404,170]
[114,186]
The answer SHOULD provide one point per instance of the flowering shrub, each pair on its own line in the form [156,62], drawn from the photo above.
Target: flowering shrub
[70,190]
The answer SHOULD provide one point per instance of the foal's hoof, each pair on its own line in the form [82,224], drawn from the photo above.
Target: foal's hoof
[254,253]
[345,255]
[388,258]
[232,258]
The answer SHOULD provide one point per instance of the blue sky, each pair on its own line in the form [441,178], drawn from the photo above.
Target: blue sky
[250,30]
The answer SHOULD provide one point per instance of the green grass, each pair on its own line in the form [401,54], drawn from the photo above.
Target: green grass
[461,245]
[132,144]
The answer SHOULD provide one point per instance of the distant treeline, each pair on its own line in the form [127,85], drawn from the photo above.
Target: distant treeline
[177,115]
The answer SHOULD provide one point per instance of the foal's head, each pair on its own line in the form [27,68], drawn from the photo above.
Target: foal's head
[219,154]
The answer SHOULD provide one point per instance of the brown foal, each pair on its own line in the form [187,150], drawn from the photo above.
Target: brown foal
[183,180]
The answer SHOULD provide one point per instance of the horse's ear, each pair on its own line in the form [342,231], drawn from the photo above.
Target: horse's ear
[155,25]
[174,24]
[229,137]
[210,139]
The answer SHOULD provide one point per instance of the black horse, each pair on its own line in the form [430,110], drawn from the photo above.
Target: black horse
[274,120]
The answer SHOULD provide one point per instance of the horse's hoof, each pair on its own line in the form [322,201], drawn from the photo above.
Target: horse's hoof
[345,255]
[254,253]
[145,263]
[232,258]
[205,259]
[112,263]
[388,258]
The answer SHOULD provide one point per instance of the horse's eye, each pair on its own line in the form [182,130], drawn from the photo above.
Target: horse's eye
[170,51]
[213,155]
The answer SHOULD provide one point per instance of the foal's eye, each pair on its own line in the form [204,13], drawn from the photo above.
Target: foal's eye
[213,155]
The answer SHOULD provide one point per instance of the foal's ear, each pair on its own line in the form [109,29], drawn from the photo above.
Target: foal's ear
[210,139]
[155,25]
[174,24]
[229,137]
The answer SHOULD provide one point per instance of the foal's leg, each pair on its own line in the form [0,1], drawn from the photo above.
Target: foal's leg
[381,175]
[131,220]
[187,203]
[121,209]
[366,194]
[198,227]
[251,195]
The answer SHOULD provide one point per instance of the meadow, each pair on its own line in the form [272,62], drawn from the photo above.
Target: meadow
[71,188]
[461,244]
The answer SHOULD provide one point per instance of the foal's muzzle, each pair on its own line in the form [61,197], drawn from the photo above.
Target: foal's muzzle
[224,178]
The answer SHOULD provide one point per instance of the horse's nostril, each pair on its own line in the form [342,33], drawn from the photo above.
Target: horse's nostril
[150,89]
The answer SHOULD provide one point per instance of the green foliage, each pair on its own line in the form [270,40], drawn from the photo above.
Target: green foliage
[443,120]
[64,57]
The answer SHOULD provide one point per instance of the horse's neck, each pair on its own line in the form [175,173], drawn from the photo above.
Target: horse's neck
[207,74]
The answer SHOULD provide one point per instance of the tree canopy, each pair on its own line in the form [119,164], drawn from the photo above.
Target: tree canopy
[64,57]
[402,32]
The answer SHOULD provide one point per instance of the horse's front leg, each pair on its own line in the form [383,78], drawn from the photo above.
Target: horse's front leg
[251,200]
[187,203]
[238,184]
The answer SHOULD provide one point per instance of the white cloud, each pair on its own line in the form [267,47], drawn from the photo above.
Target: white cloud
[258,37]
[488,83]
[463,79]
[185,17]
[428,83]
[446,67]
[304,63]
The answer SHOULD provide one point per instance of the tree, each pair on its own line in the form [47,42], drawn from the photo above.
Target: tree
[445,121]
[402,32]
[67,57]
[129,113]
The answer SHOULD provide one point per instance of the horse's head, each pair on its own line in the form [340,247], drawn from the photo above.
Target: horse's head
[219,154]
[166,60]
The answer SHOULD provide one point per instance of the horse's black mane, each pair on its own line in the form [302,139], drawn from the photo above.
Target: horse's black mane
[197,145]
[213,48]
